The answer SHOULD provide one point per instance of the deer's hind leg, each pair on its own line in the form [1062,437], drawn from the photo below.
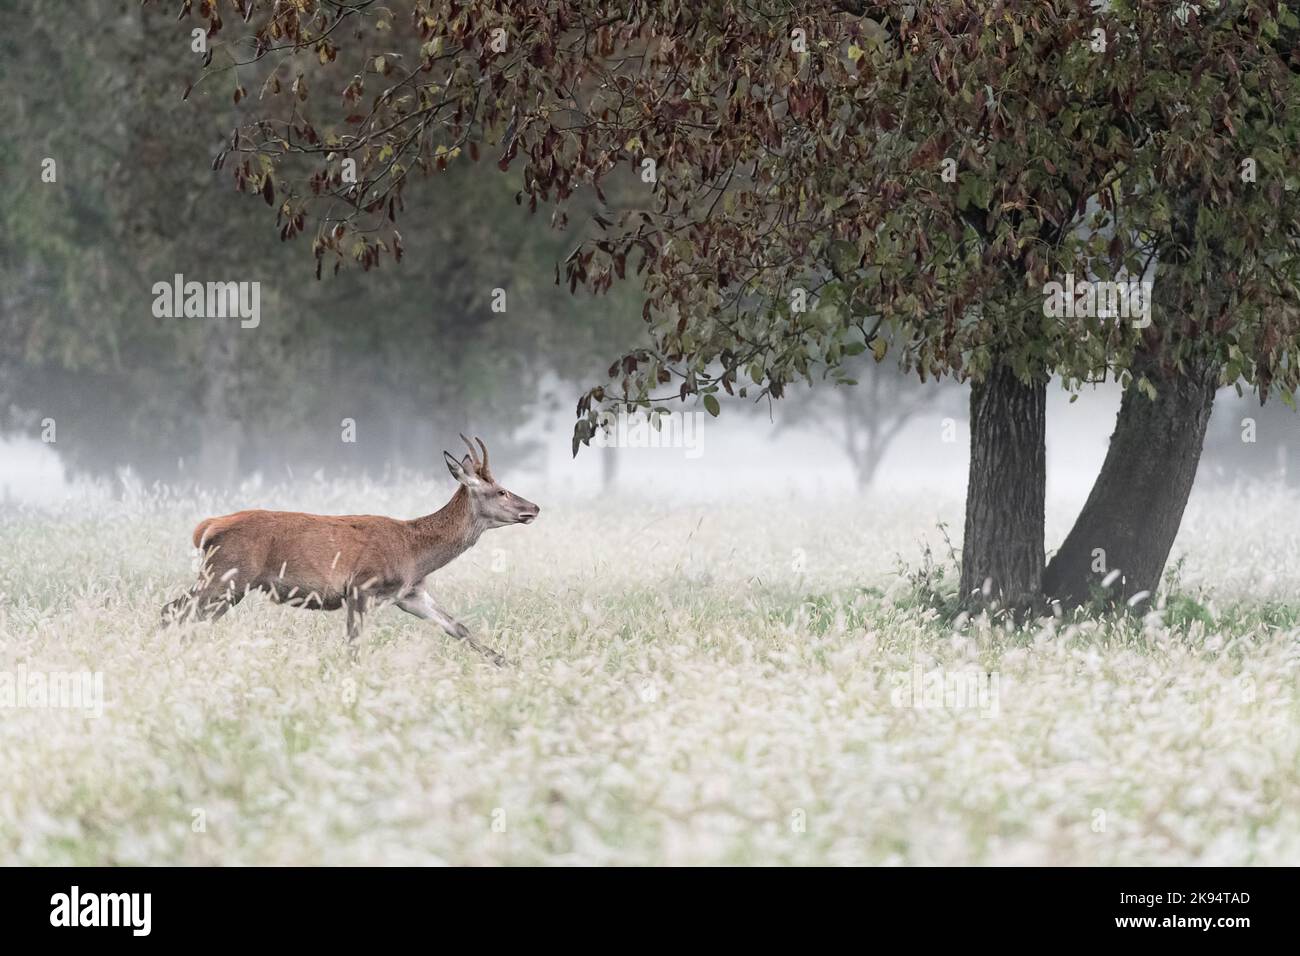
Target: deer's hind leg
[216,591]
[174,612]
[206,601]
[357,601]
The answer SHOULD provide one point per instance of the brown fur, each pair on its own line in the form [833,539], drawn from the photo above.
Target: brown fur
[324,555]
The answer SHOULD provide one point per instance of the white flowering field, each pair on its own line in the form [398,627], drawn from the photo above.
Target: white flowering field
[737,683]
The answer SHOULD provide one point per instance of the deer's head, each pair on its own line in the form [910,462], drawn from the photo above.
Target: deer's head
[492,505]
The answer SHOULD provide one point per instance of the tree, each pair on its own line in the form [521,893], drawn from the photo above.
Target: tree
[1215,204]
[833,177]
[868,415]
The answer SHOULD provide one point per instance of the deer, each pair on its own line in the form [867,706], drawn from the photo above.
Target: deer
[360,562]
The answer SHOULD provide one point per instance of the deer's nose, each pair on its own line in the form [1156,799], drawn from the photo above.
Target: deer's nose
[526,517]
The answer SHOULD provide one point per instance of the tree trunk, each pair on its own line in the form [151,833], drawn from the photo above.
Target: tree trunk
[867,463]
[1002,552]
[221,431]
[1132,515]
[608,469]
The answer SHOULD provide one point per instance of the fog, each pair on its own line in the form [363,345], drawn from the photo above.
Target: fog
[758,451]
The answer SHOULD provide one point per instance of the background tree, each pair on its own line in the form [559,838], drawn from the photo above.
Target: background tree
[1250,442]
[412,354]
[866,417]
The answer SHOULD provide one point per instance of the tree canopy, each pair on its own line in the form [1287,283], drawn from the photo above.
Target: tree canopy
[915,174]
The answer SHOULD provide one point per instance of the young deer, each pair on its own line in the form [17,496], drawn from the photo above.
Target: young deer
[324,562]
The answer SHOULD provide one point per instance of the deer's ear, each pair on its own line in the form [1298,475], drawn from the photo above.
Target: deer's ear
[462,471]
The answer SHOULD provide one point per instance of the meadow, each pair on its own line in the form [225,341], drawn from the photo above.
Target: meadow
[744,682]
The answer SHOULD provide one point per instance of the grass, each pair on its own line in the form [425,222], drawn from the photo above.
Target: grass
[694,684]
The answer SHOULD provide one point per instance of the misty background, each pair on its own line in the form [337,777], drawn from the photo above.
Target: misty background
[411,354]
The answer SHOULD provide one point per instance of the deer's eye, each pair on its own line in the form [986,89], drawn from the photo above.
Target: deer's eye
[502,493]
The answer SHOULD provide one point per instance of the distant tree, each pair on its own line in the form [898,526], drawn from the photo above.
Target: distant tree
[864,418]
[1253,442]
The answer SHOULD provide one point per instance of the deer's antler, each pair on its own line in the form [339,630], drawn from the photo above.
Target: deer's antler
[473,455]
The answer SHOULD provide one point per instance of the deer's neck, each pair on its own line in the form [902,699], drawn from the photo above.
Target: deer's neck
[445,534]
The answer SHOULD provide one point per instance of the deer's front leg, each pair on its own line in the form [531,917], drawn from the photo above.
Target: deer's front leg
[420,602]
